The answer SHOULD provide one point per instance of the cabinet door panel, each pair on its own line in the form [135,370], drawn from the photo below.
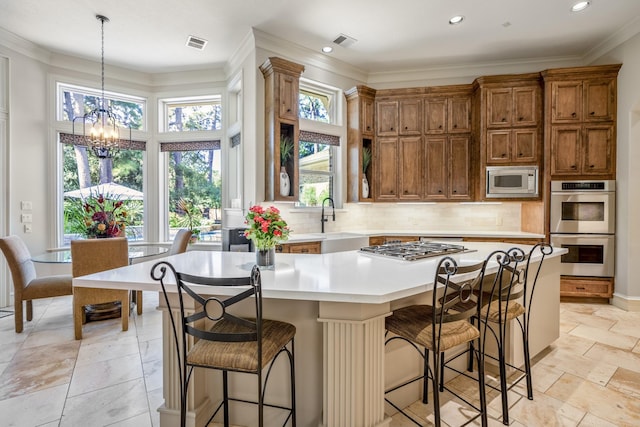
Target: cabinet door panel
[435,115]
[499,104]
[367,117]
[387,118]
[597,150]
[410,168]
[525,145]
[436,168]
[288,97]
[459,115]
[598,101]
[459,172]
[565,152]
[387,167]
[411,117]
[525,106]
[566,102]
[498,146]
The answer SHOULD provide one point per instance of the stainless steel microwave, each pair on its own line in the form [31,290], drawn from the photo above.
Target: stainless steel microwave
[512,181]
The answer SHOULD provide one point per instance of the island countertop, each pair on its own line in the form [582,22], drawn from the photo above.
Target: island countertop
[351,276]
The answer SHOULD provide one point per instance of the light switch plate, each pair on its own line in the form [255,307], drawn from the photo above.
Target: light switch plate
[27,228]
[26,218]
[26,205]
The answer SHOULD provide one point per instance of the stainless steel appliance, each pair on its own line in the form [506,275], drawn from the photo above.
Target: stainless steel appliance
[234,240]
[582,219]
[512,181]
[412,251]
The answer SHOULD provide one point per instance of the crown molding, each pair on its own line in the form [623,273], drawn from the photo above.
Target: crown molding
[619,37]
[307,56]
[24,47]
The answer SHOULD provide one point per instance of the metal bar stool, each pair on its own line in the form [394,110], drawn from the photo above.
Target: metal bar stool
[437,328]
[509,298]
[233,344]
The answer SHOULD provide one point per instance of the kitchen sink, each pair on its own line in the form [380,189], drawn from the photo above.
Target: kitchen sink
[341,241]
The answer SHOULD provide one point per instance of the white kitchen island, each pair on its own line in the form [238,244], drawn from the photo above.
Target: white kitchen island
[338,303]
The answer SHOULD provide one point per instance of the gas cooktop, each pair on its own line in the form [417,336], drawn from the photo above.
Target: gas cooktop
[411,251]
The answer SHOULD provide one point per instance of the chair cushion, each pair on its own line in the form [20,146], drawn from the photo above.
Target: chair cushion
[48,286]
[509,312]
[241,356]
[414,323]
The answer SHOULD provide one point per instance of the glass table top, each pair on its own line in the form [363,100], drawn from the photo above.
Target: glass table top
[64,256]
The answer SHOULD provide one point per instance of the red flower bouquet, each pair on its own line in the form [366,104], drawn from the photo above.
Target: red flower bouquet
[266,227]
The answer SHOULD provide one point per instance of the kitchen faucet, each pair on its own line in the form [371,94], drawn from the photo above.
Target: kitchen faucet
[323,218]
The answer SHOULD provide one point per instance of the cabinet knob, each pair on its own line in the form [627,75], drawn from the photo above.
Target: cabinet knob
[406,127]
[573,114]
[368,127]
[288,110]
[519,154]
[593,113]
[520,119]
[455,126]
[391,192]
[406,191]
[592,166]
[439,191]
[455,191]
[503,155]
[573,166]
[440,127]
[504,119]
[390,128]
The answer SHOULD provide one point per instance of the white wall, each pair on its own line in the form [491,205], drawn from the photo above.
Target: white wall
[627,286]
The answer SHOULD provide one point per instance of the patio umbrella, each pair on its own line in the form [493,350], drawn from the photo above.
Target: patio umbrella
[112,189]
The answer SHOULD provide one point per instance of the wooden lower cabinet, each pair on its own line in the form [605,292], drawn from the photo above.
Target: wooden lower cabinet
[299,248]
[588,287]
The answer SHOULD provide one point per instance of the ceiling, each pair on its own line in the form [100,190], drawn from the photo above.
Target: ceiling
[150,35]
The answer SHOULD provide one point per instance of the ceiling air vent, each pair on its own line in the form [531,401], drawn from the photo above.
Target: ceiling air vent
[344,40]
[196,42]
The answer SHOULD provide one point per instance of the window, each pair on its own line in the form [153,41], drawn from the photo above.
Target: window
[84,174]
[318,150]
[193,115]
[316,169]
[195,188]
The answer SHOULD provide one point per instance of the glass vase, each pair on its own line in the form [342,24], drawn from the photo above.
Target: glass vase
[266,258]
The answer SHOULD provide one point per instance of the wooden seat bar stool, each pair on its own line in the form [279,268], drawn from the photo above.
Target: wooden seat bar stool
[223,339]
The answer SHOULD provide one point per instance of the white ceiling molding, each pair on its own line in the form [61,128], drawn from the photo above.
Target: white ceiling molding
[625,33]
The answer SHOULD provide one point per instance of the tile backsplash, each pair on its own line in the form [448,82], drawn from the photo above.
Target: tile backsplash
[504,217]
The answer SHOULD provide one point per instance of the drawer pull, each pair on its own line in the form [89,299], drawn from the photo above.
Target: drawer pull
[581,288]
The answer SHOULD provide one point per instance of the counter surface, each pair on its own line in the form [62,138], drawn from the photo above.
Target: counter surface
[351,276]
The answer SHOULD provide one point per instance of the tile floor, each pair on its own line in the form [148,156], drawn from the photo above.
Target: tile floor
[589,377]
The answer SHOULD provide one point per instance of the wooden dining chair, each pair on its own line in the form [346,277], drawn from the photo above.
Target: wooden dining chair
[26,286]
[92,256]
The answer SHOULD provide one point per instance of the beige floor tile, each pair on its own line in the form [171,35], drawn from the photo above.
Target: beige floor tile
[545,411]
[588,320]
[107,349]
[615,356]
[590,420]
[33,409]
[597,371]
[106,406]
[38,368]
[626,381]
[602,336]
[94,376]
[575,344]
[602,402]
[628,328]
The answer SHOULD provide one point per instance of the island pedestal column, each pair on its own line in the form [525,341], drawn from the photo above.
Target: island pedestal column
[353,364]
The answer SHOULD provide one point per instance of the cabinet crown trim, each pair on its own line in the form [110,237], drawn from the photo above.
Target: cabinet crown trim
[274,63]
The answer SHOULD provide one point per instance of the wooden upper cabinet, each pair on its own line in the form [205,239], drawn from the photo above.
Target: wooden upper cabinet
[513,107]
[508,146]
[447,115]
[448,165]
[582,150]
[436,185]
[435,115]
[410,117]
[583,101]
[387,115]
[459,112]
[289,88]
[459,168]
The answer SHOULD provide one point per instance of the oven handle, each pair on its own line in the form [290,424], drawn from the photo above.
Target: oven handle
[583,235]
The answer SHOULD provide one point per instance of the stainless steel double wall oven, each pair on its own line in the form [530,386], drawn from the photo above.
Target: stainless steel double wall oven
[583,221]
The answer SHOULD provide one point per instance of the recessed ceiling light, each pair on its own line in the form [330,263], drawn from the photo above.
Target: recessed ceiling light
[581,5]
[327,49]
[456,19]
